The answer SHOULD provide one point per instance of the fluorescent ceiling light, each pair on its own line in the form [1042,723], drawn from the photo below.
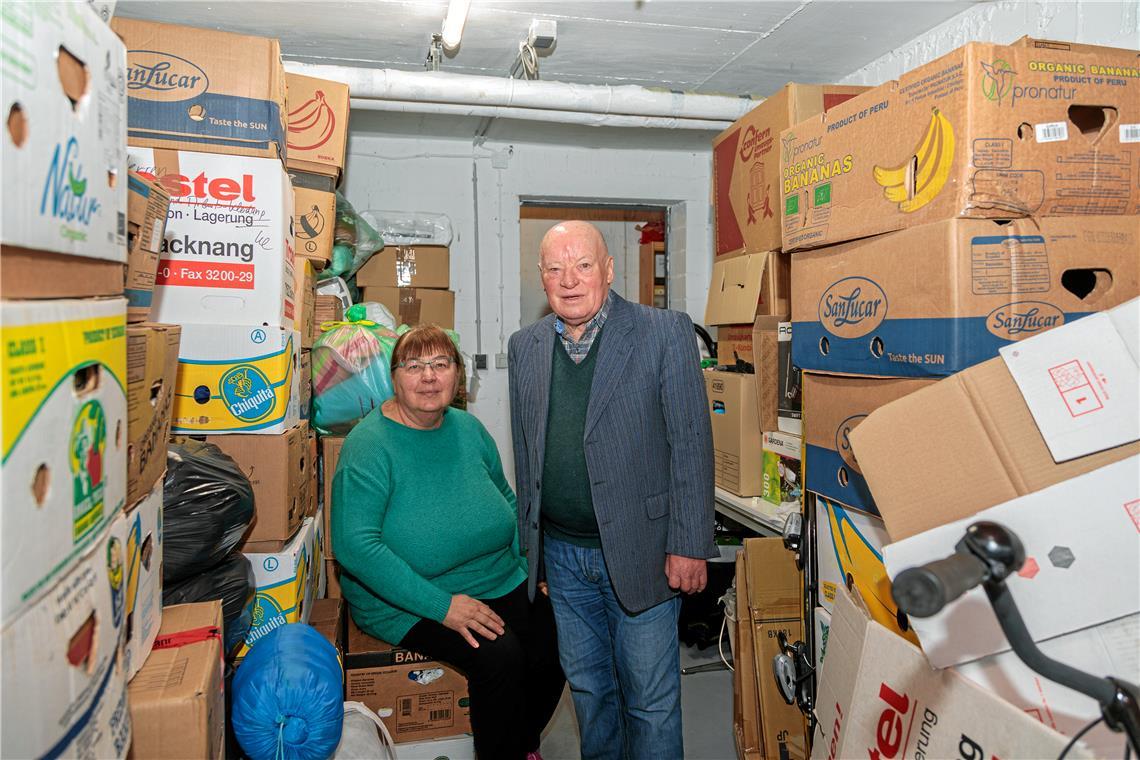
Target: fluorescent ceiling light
[453,23]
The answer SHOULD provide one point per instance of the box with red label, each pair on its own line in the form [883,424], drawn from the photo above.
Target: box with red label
[228,253]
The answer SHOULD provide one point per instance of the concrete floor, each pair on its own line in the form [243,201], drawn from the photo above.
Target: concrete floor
[706,713]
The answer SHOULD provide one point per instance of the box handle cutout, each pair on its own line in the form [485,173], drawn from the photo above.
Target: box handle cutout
[41,484]
[155,392]
[1087,284]
[843,477]
[197,112]
[824,345]
[81,647]
[87,379]
[1093,121]
[202,395]
[17,125]
[72,75]
[1025,130]
[112,177]
[877,347]
[147,552]
[119,434]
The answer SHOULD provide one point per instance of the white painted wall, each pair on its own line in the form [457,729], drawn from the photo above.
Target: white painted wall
[435,174]
[1114,24]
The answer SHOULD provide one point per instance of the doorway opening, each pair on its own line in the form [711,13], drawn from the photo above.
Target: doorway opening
[636,236]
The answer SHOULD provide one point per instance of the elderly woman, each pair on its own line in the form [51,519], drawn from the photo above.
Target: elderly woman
[425,528]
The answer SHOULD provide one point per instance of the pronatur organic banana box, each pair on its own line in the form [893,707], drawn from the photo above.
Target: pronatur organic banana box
[317,123]
[236,379]
[933,300]
[63,687]
[199,89]
[833,406]
[64,152]
[64,416]
[849,552]
[987,131]
[287,583]
[227,257]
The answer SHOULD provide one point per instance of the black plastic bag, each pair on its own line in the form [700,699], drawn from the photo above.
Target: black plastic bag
[207,506]
[231,581]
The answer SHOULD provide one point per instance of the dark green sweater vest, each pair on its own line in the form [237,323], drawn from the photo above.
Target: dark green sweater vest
[567,506]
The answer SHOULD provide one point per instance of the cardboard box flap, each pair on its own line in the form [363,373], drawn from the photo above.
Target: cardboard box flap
[1080,382]
[175,670]
[734,292]
[1065,586]
[773,579]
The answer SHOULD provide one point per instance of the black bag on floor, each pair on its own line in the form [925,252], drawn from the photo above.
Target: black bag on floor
[231,581]
[207,506]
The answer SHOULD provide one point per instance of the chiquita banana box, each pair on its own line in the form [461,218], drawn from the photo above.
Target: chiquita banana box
[987,131]
[227,257]
[64,411]
[142,573]
[236,379]
[63,687]
[286,584]
[849,551]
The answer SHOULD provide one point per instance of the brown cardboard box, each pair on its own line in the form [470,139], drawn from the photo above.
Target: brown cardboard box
[147,206]
[326,309]
[765,351]
[176,700]
[745,698]
[318,124]
[330,454]
[935,299]
[304,301]
[305,383]
[416,306]
[736,431]
[202,90]
[744,287]
[775,602]
[328,617]
[408,266]
[279,468]
[383,677]
[152,368]
[957,447]
[986,131]
[315,490]
[314,222]
[332,576]
[746,166]
[833,407]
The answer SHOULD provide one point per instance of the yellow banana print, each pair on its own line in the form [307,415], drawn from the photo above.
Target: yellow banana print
[917,180]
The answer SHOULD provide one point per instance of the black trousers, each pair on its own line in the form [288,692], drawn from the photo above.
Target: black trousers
[515,681]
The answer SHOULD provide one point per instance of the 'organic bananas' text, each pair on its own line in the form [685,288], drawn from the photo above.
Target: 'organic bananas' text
[815,169]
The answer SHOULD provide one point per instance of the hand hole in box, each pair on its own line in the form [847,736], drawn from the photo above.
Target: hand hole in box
[196,112]
[843,477]
[81,646]
[155,392]
[41,484]
[72,75]
[202,394]
[1024,130]
[86,379]
[1092,121]
[17,125]
[877,347]
[1087,284]
[824,345]
[119,434]
[147,552]
[112,178]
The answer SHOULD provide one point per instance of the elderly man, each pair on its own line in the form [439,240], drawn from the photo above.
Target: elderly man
[613,463]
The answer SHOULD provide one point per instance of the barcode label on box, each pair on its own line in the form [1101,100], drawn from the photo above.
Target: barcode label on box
[1055,131]
[435,715]
[1129,133]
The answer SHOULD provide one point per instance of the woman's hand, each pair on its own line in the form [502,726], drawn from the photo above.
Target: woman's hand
[467,615]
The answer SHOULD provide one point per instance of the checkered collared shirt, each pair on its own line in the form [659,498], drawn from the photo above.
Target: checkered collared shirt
[580,349]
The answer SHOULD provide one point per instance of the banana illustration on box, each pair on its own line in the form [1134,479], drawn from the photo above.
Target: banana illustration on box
[917,180]
[861,565]
[312,123]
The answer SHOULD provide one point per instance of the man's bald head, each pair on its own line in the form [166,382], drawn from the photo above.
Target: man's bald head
[576,234]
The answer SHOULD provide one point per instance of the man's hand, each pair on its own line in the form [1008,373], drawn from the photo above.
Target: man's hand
[466,616]
[686,574]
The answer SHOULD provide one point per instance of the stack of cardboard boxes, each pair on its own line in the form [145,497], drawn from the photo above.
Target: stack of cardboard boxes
[412,281]
[932,221]
[82,494]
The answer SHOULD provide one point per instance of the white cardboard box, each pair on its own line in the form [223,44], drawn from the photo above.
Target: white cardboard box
[64,411]
[236,379]
[228,253]
[143,588]
[1082,540]
[286,584]
[63,687]
[878,696]
[66,187]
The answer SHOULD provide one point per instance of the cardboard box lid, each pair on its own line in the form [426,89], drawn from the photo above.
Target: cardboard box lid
[180,672]
[1079,542]
[773,579]
[734,292]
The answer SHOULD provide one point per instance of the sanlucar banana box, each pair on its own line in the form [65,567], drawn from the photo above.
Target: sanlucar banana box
[64,410]
[286,584]
[227,257]
[987,131]
[933,300]
[849,552]
[201,89]
[66,111]
[236,379]
[63,687]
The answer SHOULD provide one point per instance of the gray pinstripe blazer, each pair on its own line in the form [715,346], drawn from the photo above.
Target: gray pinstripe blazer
[648,445]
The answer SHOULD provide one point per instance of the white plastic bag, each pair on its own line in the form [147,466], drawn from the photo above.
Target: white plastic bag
[364,736]
[409,227]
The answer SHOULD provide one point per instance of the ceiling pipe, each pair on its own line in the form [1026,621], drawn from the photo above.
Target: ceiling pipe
[422,87]
[538,114]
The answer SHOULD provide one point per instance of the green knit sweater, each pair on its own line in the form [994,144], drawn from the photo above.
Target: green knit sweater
[418,516]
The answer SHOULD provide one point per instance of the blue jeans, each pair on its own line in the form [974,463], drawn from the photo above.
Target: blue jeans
[624,670]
